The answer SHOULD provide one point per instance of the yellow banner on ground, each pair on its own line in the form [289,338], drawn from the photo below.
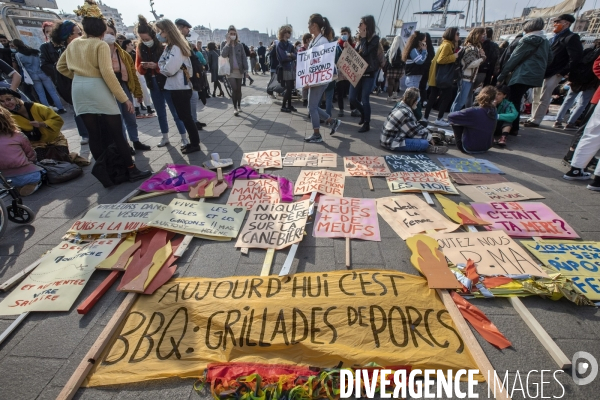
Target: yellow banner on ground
[315,319]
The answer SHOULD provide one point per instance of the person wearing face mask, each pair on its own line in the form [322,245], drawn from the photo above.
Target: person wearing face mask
[234,51]
[342,86]
[88,62]
[124,70]
[129,47]
[401,130]
[149,50]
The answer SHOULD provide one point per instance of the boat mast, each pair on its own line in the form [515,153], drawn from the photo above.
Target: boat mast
[467,16]
[444,15]
[476,11]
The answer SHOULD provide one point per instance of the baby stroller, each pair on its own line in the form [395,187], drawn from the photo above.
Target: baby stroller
[16,211]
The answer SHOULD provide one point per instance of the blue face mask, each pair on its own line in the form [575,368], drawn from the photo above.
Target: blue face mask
[161,38]
[344,38]
[13,50]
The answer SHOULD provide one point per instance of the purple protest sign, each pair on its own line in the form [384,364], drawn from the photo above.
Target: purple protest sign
[524,220]
[176,178]
[347,217]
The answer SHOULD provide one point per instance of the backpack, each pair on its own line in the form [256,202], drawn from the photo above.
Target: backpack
[246,49]
[60,171]
[197,71]
[583,71]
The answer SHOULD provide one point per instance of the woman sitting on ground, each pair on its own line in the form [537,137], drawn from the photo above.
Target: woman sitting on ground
[17,158]
[474,127]
[402,132]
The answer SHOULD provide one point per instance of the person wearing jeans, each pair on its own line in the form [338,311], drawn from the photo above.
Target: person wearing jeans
[583,98]
[473,56]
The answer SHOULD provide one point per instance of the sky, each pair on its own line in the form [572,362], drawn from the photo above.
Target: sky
[271,14]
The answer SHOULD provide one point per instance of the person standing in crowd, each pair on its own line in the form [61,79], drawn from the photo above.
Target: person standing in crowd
[402,131]
[342,86]
[507,113]
[367,48]
[415,55]
[246,75]
[306,38]
[253,60]
[445,55]
[213,65]
[426,68]
[5,53]
[384,47]
[322,33]
[395,69]
[286,54]
[488,69]
[176,56]
[124,69]
[120,38]
[262,57]
[474,127]
[88,62]
[272,57]
[472,56]
[238,62]
[201,49]
[129,47]
[523,70]
[566,53]
[30,60]
[49,52]
[149,50]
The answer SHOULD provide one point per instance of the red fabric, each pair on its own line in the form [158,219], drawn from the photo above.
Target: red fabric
[596,97]
[232,371]
[480,322]
[471,272]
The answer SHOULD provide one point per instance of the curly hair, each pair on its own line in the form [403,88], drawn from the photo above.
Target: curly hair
[413,43]
[283,30]
[486,97]
[8,126]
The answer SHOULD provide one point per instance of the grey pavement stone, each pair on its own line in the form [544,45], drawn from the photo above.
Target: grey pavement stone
[26,377]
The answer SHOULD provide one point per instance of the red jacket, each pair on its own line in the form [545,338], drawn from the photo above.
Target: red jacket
[597,72]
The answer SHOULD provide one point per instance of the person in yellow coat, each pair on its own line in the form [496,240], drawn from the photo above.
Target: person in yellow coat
[445,55]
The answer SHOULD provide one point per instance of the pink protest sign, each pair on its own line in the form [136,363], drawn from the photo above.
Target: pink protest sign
[525,220]
[347,217]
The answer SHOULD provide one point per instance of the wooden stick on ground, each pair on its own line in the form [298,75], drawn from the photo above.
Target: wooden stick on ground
[13,326]
[19,276]
[266,269]
[370,183]
[428,198]
[96,350]
[149,195]
[348,263]
[93,298]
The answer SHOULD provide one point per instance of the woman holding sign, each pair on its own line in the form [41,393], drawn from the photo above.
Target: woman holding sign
[322,34]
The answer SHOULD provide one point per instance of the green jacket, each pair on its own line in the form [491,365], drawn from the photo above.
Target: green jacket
[507,111]
[528,61]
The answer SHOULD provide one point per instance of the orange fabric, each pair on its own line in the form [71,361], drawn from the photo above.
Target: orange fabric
[471,272]
[480,322]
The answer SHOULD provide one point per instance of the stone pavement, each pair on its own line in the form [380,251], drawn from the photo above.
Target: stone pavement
[38,359]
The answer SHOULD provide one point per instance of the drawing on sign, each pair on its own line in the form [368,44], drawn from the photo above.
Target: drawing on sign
[430,261]
[320,160]
[351,65]
[421,182]
[246,193]
[116,218]
[475,165]
[509,191]
[494,253]
[365,166]
[409,215]
[525,220]
[578,261]
[411,163]
[469,178]
[263,159]
[315,66]
[460,213]
[322,181]
[274,226]
[347,217]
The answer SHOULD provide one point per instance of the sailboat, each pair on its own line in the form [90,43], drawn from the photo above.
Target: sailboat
[436,30]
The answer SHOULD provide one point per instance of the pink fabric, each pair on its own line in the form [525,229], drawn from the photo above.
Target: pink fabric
[286,187]
[17,157]
[177,178]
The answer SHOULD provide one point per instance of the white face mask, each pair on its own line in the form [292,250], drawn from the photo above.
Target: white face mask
[149,43]
[232,37]
[110,39]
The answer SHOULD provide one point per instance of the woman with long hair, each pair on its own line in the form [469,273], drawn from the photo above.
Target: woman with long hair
[445,55]
[213,65]
[396,67]
[87,61]
[149,50]
[286,54]
[415,56]
[342,85]
[322,33]
[367,47]
[426,68]
[473,56]
[30,60]
[238,63]
[175,64]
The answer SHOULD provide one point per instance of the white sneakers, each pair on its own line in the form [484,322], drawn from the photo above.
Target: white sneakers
[441,122]
[164,141]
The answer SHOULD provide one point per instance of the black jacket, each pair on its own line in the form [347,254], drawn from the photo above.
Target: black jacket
[109,168]
[492,52]
[49,56]
[261,52]
[567,51]
[508,51]
[368,51]
[152,54]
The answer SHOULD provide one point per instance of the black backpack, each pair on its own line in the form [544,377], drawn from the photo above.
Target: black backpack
[196,76]
[583,72]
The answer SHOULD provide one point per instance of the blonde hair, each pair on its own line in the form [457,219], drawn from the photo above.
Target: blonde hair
[283,30]
[174,37]
[486,97]
[474,37]
[237,35]
[8,126]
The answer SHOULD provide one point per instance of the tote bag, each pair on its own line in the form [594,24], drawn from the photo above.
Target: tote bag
[224,68]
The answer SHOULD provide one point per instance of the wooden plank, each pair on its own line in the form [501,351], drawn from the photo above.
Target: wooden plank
[96,350]
[484,365]
[266,269]
[13,326]
[149,195]
[370,183]
[428,198]
[348,253]
[130,195]
[550,345]
[19,276]
[93,298]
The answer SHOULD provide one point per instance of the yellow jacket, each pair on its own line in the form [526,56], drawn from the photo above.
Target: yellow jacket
[133,83]
[51,134]
[444,55]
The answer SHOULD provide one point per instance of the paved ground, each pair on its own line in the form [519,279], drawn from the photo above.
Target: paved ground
[40,356]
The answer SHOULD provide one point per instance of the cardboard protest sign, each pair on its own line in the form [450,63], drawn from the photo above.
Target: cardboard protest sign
[274,226]
[411,163]
[116,218]
[263,159]
[475,165]
[525,220]
[409,215]
[347,217]
[365,166]
[315,66]
[323,181]
[351,65]
[578,261]
[469,178]
[319,160]
[350,317]
[246,193]
[204,220]
[509,191]
[494,253]
[56,283]
[438,181]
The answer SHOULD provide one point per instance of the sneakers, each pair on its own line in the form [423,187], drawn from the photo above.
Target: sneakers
[285,110]
[164,141]
[61,111]
[595,185]
[390,100]
[365,128]
[184,141]
[570,127]
[531,125]
[335,125]
[27,190]
[577,174]
[433,149]
[198,125]
[502,141]
[341,114]
[315,138]
[441,122]
[190,148]
[84,140]
[236,112]
[149,111]
[558,125]
[141,146]
[293,109]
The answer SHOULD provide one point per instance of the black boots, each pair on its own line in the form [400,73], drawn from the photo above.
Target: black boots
[141,146]
[365,128]
[135,174]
